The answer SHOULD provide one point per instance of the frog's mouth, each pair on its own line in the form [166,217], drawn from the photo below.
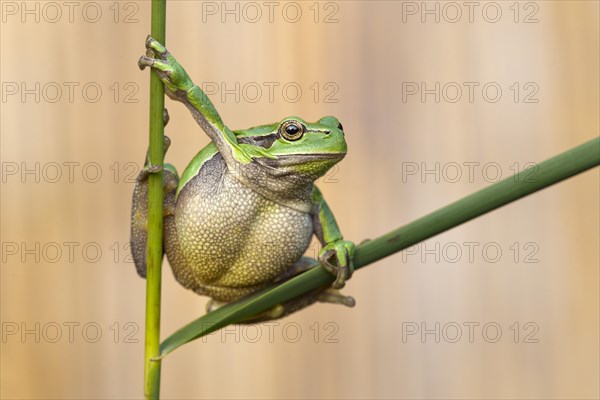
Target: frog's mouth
[288,160]
[305,166]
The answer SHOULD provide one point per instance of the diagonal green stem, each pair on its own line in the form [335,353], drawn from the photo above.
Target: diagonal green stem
[154,253]
[547,173]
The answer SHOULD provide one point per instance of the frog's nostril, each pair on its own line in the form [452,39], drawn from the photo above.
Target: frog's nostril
[340,127]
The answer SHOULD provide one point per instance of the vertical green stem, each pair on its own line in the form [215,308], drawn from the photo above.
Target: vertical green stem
[155,219]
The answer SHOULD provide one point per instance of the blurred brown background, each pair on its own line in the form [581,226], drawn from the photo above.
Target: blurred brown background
[510,300]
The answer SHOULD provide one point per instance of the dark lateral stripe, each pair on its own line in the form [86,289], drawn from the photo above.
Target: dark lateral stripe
[265,141]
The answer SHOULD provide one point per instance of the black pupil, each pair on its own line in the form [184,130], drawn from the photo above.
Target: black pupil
[292,130]
[340,127]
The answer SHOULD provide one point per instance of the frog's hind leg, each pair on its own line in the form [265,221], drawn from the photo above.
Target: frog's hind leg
[139,208]
[323,295]
[334,296]
[303,264]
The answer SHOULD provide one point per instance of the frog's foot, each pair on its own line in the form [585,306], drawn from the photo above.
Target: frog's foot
[335,297]
[324,295]
[150,168]
[170,72]
[213,304]
[166,119]
[336,257]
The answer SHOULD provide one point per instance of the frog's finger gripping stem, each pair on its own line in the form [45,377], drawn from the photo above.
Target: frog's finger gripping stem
[337,254]
[181,88]
[336,257]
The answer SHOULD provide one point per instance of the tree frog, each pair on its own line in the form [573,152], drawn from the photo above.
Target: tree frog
[243,212]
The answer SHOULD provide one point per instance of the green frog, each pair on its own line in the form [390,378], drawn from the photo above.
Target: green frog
[243,212]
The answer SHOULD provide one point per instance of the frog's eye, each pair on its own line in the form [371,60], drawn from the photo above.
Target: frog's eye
[340,127]
[291,130]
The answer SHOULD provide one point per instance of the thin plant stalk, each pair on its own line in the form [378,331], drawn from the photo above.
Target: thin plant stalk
[154,253]
[538,177]
[526,182]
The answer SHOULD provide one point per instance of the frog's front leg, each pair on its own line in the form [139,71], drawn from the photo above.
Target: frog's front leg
[181,88]
[337,254]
